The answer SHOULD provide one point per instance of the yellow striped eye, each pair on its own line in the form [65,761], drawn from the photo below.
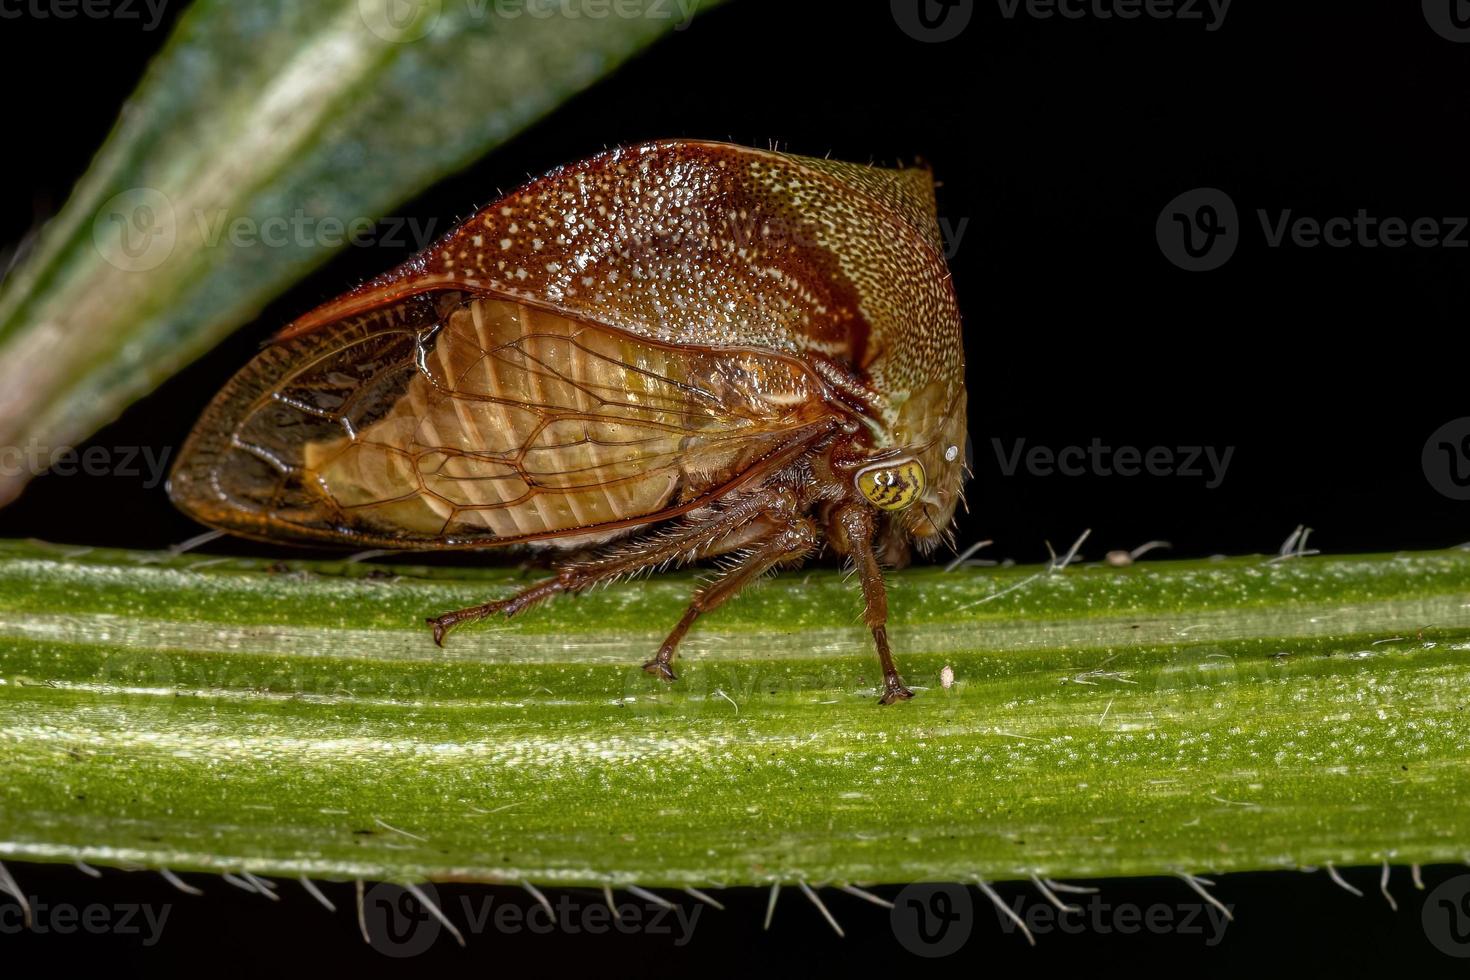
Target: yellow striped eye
[892,486]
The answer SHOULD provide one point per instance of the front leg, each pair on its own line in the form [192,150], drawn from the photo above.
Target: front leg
[852,530]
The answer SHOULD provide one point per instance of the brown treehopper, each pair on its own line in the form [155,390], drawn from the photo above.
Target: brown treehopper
[666,353]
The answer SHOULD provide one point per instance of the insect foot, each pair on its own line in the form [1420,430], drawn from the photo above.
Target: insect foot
[893,690]
[443,624]
[660,667]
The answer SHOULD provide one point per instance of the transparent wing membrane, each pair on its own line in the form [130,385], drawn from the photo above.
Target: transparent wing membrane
[462,420]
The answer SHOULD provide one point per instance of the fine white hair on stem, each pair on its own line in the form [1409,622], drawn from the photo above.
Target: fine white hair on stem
[1198,884]
[1057,564]
[435,911]
[1051,896]
[316,893]
[540,898]
[197,541]
[266,888]
[1003,592]
[821,907]
[1418,880]
[706,899]
[399,830]
[965,555]
[238,882]
[1337,879]
[367,555]
[1004,909]
[650,897]
[87,869]
[1383,887]
[178,882]
[1295,546]
[771,904]
[607,896]
[1146,547]
[1062,886]
[8,884]
[868,896]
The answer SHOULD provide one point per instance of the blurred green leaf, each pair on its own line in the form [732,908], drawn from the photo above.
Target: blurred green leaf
[266,135]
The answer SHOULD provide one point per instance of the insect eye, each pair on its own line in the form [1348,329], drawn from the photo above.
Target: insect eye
[892,486]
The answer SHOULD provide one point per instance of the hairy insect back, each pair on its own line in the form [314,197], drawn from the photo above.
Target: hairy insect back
[479,394]
[690,242]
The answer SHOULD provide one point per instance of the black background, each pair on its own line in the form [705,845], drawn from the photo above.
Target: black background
[1058,142]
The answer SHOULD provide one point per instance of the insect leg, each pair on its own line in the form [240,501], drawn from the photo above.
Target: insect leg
[685,542]
[785,544]
[855,526]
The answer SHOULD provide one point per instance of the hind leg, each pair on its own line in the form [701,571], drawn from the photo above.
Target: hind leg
[784,544]
[714,533]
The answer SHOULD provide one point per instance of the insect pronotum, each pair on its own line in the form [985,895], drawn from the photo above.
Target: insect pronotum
[666,353]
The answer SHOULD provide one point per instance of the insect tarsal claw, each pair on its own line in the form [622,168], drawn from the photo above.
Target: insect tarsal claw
[660,668]
[893,690]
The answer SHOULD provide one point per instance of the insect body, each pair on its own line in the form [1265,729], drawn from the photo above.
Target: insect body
[662,354]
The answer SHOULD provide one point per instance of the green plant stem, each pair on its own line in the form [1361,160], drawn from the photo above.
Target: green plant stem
[214,714]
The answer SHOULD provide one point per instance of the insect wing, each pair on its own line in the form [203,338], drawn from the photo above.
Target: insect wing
[457,420]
